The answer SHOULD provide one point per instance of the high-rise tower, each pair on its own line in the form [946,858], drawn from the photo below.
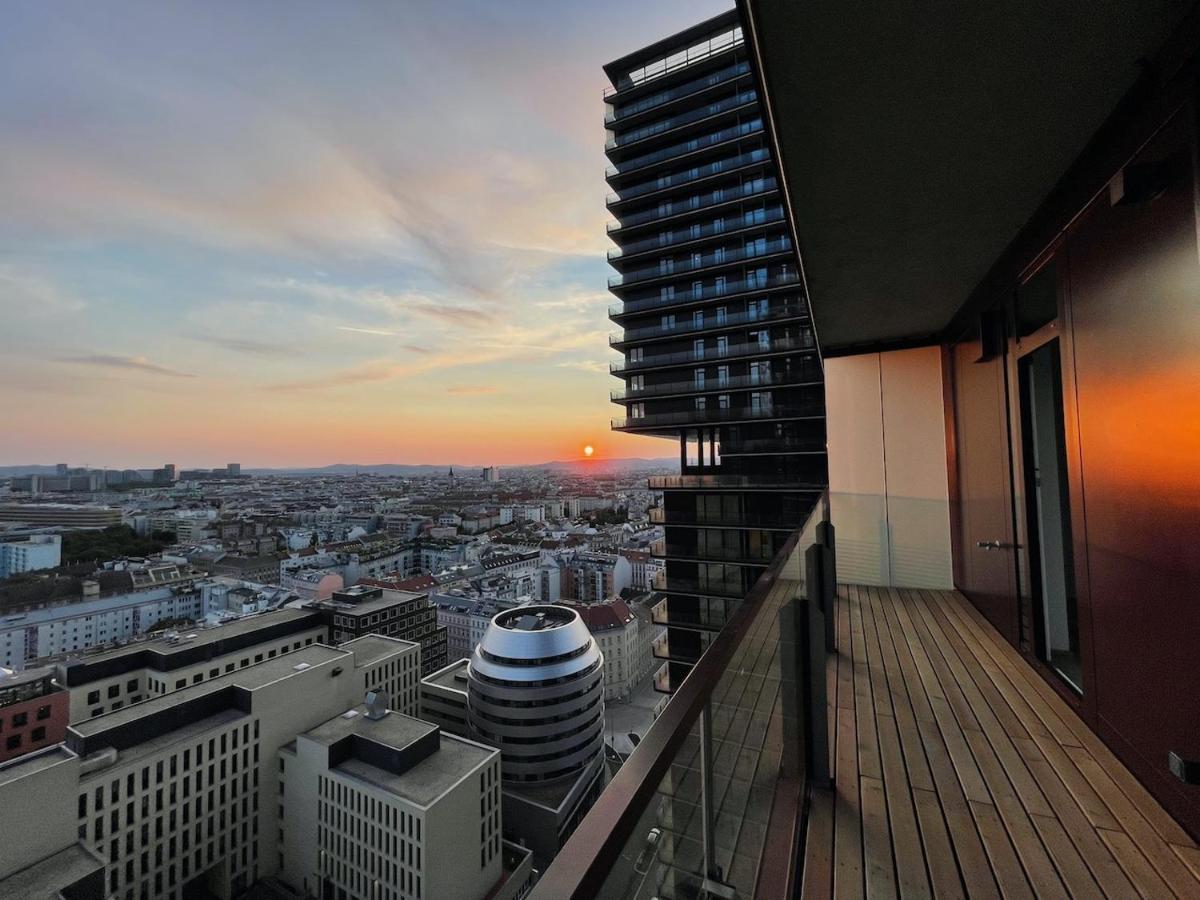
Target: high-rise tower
[719,351]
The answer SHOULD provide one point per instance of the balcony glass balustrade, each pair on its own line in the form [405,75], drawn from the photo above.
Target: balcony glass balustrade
[708,802]
[669,209]
[701,261]
[799,344]
[711,415]
[703,142]
[732,288]
[633,108]
[807,373]
[726,225]
[708,322]
[695,173]
[721,43]
[661,126]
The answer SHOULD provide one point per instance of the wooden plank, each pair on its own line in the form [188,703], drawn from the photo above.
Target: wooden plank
[960,825]
[1072,869]
[847,816]
[1136,866]
[1190,857]
[1003,860]
[878,865]
[1157,852]
[817,878]
[864,707]
[944,876]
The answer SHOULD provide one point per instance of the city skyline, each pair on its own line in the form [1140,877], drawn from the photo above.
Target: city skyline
[377,236]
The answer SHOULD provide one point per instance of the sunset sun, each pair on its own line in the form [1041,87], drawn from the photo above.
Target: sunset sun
[589,450]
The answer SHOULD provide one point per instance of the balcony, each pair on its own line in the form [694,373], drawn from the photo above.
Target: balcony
[934,760]
[806,375]
[708,170]
[687,148]
[755,188]
[771,445]
[630,110]
[711,415]
[721,43]
[728,290]
[769,521]
[727,483]
[708,231]
[661,649]
[802,344]
[662,126]
[704,261]
[710,617]
[707,324]
[735,555]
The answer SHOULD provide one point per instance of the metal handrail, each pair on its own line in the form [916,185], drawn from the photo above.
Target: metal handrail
[624,139]
[676,61]
[729,414]
[803,343]
[740,130]
[807,375]
[708,323]
[712,292]
[721,76]
[755,188]
[593,851]
[706,261]
[722,226]
[677,179]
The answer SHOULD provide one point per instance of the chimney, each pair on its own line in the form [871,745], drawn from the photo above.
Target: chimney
[91,588]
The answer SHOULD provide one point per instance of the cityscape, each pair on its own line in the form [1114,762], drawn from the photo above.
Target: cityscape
[687,451]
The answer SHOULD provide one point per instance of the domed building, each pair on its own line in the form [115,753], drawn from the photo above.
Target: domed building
[535,691]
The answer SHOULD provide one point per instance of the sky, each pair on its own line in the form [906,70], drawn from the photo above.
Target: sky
[294,234]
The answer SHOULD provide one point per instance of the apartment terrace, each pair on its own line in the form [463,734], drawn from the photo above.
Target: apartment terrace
[934,759]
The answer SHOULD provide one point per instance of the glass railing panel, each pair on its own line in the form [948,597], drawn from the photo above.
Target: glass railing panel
[711,292]
[690,814]
[684,90]
[705,261]
[707,230]
[741,98]
[742,129]
[752,188]
[719,44]
[716,167]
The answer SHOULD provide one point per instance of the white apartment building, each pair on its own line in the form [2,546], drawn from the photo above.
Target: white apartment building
[74,626]
[377,804]
[28,554]
[618,633]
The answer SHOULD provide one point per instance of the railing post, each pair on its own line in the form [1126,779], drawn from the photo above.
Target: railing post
[828,576]
[707,808]
[819,607]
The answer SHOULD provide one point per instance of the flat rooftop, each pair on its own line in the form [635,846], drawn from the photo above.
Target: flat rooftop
[52,875]
[453,676]
[370,648]
[423,782]
[390,598]
[245,625]
[250,678]
[32,763]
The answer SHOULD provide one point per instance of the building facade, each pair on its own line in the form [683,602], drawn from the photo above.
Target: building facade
[33,712]
[717,344]
[367,609]
[38,551]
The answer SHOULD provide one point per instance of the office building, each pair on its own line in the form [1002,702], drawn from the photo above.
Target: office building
[718,351]
[379,804]
[366,609]
[535,686]
[28,554]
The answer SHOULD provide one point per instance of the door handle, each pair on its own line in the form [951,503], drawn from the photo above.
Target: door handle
[995,545]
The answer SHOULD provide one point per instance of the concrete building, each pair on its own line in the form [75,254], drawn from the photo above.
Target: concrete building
[65,514]
[33,712]
[379,804]
[311,584]
[595,577]
[618,632]
[37,551]
[443,698]
[107,680]
[535,691]
[99,617]
[367,609]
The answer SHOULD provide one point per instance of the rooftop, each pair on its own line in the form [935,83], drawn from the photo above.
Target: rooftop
[425,780]
[453,676]
[370,648]
[51,876]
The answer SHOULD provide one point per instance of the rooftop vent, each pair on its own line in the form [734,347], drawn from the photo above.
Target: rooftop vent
[377,705]
[350,714]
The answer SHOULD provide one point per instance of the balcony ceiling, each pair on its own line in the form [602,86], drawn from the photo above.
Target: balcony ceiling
[917,138]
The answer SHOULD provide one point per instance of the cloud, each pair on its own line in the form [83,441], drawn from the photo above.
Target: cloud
[376,331]
[244,345]
[134,363]
[584,365]
[31,294]
[471,389]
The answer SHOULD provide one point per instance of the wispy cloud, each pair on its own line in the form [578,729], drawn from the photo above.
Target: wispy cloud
[584,365]
[244,345]
[471,389]
[28,293]
[134,363]
[376,331]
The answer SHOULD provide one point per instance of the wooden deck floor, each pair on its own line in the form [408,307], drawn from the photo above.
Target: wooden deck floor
[959,772]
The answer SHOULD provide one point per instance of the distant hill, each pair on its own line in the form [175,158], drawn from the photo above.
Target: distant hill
[624,464]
